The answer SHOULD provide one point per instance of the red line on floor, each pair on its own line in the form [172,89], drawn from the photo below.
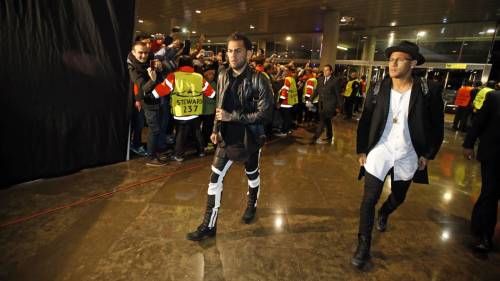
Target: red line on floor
[102,195]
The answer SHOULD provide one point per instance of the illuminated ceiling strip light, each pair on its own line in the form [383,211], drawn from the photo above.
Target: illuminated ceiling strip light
[342,48]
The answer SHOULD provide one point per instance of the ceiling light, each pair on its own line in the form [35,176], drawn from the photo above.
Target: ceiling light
[194,31]
[465,44]
[490,30]
[184,30]
[252,27]
[481,33]
[302,46]
[364,37]
[343,19]
[421,33]
[393,23]
[443,30]
[198,11]
[453,51]
[445,20]
[209,41]
[140,21]
[342,48]
[288,38]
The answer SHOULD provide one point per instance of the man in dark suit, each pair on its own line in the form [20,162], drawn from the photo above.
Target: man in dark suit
[485,127]
[400,130]
[328,93]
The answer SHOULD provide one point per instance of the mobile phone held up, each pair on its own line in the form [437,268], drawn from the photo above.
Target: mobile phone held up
[152,64]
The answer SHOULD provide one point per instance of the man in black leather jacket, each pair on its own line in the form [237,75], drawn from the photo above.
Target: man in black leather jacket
[244,106]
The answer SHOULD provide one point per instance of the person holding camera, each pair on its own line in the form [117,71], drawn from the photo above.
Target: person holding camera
[142,70]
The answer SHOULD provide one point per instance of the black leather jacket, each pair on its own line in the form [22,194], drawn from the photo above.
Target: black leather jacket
[256,96]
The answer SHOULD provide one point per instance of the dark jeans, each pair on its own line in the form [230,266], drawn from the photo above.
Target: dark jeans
[167,121]
[286,115]
[137,124]
[484,214]
[324,122]
[348,103]
[207,127]
[460,121]
[373,189]
[185,128]
[153,119]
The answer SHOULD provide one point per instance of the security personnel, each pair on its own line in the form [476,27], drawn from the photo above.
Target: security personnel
[462,101]
[481,95]
[288,98]
[311,100]
[351,90]
[187,88]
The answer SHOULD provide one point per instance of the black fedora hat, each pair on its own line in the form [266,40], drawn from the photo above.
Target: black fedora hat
[406,47]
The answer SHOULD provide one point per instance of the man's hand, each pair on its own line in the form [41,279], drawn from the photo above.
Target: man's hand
[138,106]
[422,162]
[152,74]
[214,137]
[158,65]
[221,114]
[468,153]
[362,159]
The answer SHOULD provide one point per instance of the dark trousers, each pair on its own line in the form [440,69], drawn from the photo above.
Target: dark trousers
[153,119]
[286,115]
[460,121]
[184,128]
[484,214]
[167,121]
[373,189]
[348,103]
[324,122]
[220,167]
[137,124]
[358,104]
[207,125]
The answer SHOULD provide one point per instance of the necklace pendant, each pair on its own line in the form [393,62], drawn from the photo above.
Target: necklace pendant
[395,120]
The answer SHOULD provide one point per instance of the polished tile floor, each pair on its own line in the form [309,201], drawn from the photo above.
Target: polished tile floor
[128,221]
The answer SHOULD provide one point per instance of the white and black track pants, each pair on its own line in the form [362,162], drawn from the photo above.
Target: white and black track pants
[220,166]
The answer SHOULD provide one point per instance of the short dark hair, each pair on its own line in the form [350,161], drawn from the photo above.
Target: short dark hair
[185,61]
[138,43]
[329,66]
[236,36]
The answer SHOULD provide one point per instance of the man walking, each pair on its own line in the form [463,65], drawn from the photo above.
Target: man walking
[244,106]
[485,127]
[400,130]
[327,91]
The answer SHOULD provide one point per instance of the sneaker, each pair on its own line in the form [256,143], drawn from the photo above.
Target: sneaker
[177,158]
[280,134]
[155,162]
[139,151]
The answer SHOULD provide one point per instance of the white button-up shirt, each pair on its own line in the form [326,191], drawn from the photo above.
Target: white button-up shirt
[394,149]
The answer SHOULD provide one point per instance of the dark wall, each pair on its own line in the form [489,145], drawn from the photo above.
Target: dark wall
[63,85]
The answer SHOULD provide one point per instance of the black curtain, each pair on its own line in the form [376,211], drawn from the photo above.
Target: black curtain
[63,90]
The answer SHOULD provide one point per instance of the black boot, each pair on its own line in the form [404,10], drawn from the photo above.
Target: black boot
[204,231]
[382,221]
[362,254]
[249,214]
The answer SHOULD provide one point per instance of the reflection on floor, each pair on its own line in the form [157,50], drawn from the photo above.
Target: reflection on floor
[128,221]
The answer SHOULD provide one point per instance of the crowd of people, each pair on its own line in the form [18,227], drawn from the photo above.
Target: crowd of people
[155,59]
[400,129]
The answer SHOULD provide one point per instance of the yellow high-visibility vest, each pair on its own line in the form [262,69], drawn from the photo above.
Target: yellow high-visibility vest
[348,88]
[480,97]
[293,95]
[187,97]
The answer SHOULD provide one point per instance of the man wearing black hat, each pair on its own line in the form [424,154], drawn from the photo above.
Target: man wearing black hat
[400,130]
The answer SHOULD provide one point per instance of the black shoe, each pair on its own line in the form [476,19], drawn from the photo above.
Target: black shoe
[201,233]
[382,221]
[362,254]
[249,214]
[485,245]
